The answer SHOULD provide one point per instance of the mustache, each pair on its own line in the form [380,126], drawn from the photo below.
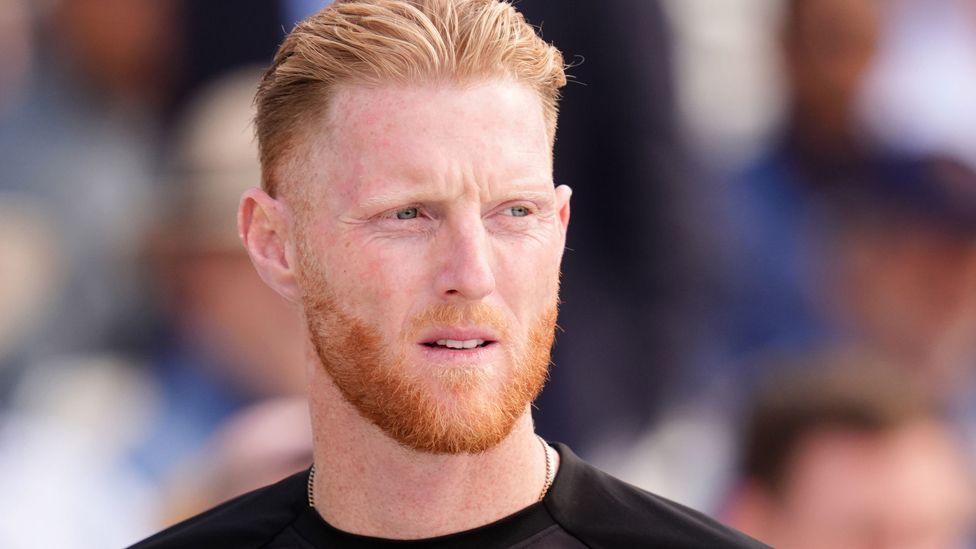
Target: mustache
[443,314]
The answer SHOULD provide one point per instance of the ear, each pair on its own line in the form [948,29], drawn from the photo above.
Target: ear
[264,225]
[563,194]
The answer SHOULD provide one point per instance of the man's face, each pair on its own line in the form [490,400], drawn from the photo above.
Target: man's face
[429,243]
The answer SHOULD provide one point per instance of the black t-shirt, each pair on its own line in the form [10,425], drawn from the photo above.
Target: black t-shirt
[585,507]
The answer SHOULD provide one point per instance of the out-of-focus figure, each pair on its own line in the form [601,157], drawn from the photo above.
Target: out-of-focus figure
[797,282]
[837,240]
[123,51]
[779,206]
[79,135]
[828,47]
[769,250]
[228,340]
[833,241]
[901,280]
[853,457]
[76,146]
[110,441]
[901,277]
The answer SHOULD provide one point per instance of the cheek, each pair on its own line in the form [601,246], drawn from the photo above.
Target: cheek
[381,281]
[377,275]
[527,276]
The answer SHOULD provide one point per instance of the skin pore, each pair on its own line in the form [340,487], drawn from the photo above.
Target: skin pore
[427,217]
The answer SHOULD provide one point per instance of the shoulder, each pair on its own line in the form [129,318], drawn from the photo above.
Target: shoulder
[250,520]
[603,511]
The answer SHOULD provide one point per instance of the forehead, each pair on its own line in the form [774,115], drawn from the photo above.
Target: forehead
[489,132]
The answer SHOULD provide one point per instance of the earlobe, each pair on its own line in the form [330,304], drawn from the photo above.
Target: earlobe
[264,227]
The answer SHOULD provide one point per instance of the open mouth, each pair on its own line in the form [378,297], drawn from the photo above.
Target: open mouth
[457,345]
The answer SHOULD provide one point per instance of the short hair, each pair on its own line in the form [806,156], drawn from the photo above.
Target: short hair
[832,394]
[399,41]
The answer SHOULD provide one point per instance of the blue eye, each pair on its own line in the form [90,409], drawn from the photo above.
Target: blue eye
[518,211]
[407,213]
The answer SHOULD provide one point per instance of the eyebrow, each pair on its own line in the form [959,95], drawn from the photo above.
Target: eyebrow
[406,197]
[393,198]
[534,196]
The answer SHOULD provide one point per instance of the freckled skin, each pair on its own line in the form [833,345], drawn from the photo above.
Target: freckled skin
[446,150]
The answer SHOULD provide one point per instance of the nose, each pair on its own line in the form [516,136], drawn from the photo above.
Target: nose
[466,269]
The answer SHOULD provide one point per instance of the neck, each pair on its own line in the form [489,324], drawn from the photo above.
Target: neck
[368,484]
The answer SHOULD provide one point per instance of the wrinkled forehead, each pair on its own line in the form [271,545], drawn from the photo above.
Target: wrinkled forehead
[491,132]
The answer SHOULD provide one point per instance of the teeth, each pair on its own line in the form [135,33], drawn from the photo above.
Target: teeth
[455,344]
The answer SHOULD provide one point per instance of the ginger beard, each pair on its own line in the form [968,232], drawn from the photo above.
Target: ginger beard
[442,411]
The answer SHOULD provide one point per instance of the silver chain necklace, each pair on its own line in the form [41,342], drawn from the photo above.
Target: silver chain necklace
[550,474]
[310,487]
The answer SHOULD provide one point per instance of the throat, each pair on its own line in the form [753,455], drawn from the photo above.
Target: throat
[381,489]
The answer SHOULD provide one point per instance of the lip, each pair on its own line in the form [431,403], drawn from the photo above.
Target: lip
[432,335]
[445,355]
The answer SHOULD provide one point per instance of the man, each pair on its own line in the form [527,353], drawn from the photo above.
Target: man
[852,458]
[408,208]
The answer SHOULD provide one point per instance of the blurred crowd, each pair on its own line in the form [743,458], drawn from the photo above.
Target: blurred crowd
[769,292]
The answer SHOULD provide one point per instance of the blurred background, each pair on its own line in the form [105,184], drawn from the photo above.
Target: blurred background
[769,293]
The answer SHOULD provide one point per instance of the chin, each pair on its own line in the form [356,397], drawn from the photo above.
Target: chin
[466,391]
[463,410]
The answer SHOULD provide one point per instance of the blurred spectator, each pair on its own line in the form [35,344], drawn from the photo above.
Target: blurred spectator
[836,240]
[228,339]
[93,437]
[851,457]
[896,275]
[802,275]
[902,275]
[902,279]
[121,51]
[772,239]
[828,47]
[81,141]
[778,205]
